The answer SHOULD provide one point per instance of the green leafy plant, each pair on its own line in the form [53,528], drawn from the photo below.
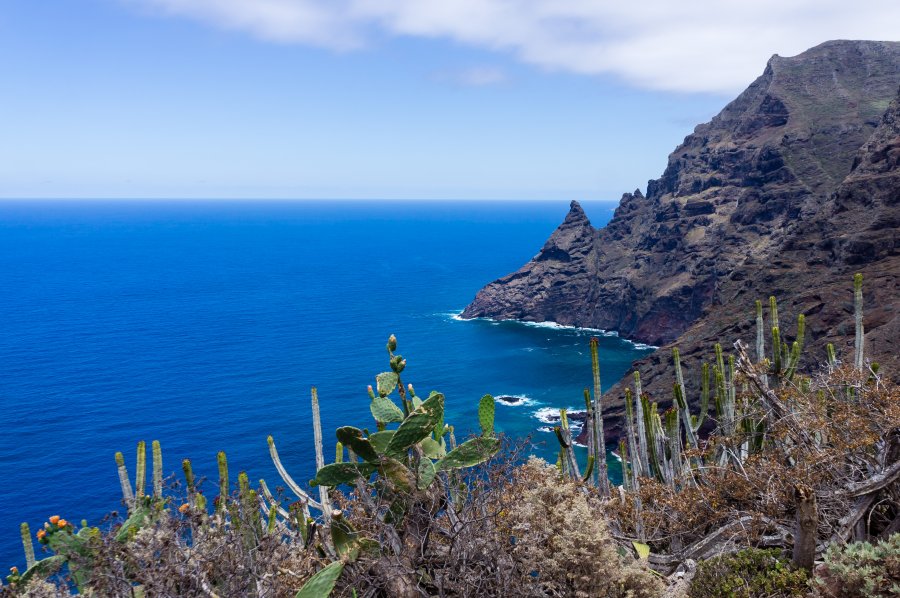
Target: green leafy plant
[860,569]
[749,573]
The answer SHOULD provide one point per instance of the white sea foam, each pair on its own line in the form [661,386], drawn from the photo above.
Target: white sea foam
[547,415]
[457,315]
[520,400]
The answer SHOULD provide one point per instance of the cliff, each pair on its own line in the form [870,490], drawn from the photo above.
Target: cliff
[789,190]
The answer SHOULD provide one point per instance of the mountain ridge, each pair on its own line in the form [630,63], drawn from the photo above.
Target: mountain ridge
[791,187]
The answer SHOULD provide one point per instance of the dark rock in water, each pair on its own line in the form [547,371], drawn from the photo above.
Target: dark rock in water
[510,400]
[788,191]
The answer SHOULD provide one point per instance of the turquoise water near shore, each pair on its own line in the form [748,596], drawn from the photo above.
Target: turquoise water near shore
[204,324]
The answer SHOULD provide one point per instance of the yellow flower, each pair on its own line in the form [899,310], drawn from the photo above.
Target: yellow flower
[62,523]
[184,508]
[54,519]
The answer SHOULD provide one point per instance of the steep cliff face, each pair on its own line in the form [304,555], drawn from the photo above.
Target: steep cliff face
[788,191]
[856,229]
[555,285]
[727,197]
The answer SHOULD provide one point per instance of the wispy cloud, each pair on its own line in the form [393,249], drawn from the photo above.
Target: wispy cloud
[690,46]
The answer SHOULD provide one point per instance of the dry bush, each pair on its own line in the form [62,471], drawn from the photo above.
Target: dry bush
[451,550]
[562,542]
[852,422]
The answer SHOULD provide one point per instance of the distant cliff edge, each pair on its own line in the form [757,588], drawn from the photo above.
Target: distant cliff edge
[788,191]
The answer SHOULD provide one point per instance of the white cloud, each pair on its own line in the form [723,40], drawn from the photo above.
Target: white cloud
[691,45]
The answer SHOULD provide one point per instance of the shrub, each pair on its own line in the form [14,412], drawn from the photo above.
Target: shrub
[749,573]
[860,569]
[561,542]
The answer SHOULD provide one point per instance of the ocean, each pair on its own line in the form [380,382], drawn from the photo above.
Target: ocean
[203,324]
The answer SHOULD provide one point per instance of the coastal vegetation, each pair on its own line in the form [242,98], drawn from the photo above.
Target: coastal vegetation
[784,482]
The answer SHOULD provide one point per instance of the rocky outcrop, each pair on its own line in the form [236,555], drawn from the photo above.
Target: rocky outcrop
[788,191]
[554,286]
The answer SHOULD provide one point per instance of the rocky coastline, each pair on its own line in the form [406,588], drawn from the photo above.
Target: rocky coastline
[788,191]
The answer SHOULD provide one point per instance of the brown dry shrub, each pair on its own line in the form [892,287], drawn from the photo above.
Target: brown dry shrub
[562,542]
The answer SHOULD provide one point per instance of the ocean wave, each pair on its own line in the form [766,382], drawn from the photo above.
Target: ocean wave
[547,415]
[513,400]
[457,315]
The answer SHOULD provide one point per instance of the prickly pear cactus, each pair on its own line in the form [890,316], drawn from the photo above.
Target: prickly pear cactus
[411,456]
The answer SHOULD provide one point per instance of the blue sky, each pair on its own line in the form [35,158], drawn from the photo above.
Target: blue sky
[519,99]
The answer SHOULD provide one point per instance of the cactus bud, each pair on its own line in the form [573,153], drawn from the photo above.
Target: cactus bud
[371,391]
[398,363]
[392,343]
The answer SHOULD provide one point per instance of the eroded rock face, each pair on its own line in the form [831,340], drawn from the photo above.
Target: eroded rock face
[554,285]
[788,191]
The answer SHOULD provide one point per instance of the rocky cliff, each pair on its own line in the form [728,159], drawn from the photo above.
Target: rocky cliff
[789,190]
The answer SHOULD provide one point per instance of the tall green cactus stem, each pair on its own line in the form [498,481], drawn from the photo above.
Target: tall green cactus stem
[564,436]
[589,435]
[140,470]
[704,397]
[673,436]
[681,401]
[320,455]
[773,312]
[127,492]
[760,333]
[832,358]
[731,386]
[859,343]
[157,470]
[623,456]
[642,433]
[776,356]
[189,476]
[632,439]
[679,377]
[599,436]
[27,545]
[651,426]
[224,487]
[796,348]
[761,339]
[588,470]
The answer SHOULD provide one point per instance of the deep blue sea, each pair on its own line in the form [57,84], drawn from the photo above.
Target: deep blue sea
[204,325]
